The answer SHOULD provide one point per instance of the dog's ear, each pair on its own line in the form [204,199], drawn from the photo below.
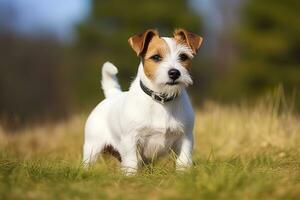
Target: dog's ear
[193,40]
[139,42]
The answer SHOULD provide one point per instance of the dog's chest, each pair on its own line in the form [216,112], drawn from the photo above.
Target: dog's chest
[159,135]
[156,142]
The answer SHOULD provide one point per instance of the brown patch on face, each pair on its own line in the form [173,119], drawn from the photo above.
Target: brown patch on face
[157,46]
[185,63]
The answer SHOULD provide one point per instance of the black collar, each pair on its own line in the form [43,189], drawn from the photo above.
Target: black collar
[162,98]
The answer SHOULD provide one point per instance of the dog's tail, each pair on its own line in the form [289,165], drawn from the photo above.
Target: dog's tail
[109,82]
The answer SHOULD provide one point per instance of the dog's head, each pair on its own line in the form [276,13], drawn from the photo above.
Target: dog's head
[166,60]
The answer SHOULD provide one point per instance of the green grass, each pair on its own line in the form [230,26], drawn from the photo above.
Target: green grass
[241,152]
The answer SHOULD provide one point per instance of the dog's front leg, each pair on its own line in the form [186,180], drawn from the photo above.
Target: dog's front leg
[128,152]
[184,158]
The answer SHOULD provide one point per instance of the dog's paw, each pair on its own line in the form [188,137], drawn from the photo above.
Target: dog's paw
[129,171]
[182,168]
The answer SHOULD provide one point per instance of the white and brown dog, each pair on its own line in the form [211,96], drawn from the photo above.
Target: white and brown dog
[155,116]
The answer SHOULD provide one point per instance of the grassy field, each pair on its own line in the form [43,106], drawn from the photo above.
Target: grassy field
[241,152]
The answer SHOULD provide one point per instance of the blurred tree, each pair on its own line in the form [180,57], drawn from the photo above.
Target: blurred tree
[269,47]
[104,36]
[33,83]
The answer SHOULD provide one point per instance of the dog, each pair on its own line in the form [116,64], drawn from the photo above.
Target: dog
[154,117]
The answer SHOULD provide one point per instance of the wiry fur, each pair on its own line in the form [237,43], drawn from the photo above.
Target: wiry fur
[137,126]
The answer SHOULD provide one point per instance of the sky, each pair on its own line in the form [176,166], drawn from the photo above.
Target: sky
[56,17]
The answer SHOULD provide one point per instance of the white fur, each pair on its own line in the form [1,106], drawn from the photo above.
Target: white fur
[137,126]
[109,81]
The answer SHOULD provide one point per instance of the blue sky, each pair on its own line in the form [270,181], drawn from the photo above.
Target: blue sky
[56,17]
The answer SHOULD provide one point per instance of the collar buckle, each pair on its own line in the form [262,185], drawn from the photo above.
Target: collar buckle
[153,95]
[158,97]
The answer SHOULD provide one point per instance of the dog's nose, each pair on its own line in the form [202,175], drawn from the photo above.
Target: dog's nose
[174,74]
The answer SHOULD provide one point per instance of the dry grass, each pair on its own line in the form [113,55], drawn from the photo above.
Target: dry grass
[242,152]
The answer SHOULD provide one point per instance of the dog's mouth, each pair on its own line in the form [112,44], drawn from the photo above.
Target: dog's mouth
[172,83]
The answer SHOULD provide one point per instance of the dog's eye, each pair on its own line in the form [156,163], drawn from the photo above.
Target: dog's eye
[156,58]
[183,57]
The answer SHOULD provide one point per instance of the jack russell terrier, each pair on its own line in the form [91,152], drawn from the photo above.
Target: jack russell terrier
[155,116]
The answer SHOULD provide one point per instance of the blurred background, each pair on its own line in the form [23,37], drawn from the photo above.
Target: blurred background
[51,51]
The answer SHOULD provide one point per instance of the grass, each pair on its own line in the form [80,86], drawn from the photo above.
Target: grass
[241,152]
